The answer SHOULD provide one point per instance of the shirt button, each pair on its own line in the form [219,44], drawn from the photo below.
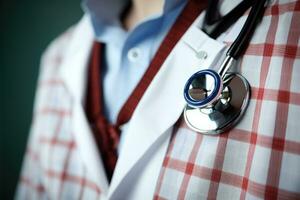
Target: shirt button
[201,54]
[134,54]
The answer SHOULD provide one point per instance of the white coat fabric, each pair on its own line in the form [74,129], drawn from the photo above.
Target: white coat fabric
[161,157]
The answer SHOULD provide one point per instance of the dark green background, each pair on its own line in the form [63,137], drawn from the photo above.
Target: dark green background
[26,28]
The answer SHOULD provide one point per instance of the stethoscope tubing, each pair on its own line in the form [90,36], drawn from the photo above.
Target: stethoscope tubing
[233,53]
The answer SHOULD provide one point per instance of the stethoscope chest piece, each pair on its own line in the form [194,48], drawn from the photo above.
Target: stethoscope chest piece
[229,100]
[216,101]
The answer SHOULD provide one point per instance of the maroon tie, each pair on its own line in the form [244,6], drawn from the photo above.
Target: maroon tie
[107,135]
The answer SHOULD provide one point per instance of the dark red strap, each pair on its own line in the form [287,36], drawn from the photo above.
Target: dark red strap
[94,92]
[106,134]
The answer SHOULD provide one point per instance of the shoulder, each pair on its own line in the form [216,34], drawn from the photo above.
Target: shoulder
[49,81]
[60,48]
[54,54]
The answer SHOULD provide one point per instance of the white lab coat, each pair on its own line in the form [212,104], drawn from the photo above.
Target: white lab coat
[148,133]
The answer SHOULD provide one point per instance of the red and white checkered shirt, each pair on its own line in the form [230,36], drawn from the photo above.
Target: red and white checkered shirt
[257,159]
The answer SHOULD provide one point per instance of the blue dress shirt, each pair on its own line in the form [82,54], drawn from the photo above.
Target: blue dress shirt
[127,53]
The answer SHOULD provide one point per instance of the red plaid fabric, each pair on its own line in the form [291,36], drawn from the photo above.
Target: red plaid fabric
[260,157]
[52,167]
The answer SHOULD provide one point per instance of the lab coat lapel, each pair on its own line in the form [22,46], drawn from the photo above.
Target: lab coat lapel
[74,73]
[162,103]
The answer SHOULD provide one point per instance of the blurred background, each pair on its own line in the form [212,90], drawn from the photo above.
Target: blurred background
[26,28]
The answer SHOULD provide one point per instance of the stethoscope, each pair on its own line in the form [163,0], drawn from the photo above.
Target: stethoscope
[216,101]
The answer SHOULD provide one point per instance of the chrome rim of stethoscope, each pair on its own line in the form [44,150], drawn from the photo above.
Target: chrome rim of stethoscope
[203,88]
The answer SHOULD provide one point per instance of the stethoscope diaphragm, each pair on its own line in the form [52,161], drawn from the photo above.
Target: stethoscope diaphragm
[225,111]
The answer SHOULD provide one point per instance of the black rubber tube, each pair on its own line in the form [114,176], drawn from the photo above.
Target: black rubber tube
[214,25]
[241,42]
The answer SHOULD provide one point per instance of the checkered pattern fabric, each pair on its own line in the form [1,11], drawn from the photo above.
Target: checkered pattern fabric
[260,157]
[52,167]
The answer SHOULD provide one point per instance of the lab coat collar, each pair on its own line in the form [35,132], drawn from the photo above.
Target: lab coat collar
[73,70]
[108,15]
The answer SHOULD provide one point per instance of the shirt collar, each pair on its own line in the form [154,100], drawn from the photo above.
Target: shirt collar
[107,12]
